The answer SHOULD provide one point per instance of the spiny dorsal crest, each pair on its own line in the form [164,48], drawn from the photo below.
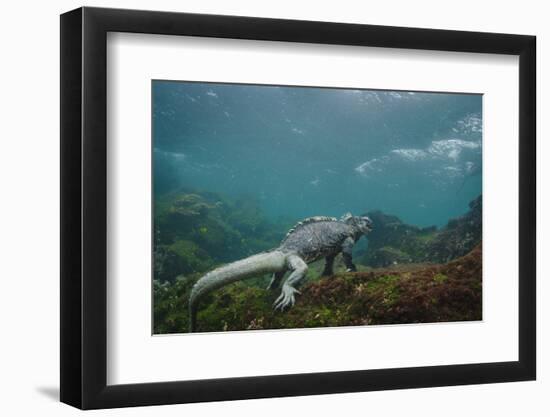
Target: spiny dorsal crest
[309,220]
[346,217]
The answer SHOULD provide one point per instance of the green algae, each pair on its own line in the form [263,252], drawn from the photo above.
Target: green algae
[434,293]
[440,278]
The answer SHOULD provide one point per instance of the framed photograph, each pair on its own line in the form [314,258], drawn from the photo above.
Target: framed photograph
[256,208]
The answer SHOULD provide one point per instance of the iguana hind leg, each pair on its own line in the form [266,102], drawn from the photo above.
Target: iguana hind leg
[299,270]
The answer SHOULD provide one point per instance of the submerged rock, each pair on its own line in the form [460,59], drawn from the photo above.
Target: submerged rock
[190,205]
[195,231]
[393,241]
[388,255]
[405,294]
[459,236]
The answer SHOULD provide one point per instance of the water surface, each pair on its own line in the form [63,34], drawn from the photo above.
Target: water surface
[318,151]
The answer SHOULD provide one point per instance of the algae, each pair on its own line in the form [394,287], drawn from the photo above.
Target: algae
[426,294]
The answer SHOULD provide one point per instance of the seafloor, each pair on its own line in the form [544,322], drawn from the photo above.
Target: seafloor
[406,274]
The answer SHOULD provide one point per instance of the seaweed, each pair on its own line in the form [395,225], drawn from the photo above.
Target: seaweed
[416,294]
[196,230]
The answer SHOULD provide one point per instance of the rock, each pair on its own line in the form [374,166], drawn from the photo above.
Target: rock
[195,231]
[191,205]
[388,255]
[418,294]
[458,237]
[394,241]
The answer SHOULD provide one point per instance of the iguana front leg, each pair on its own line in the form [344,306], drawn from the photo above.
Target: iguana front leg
[347,248]
[299,270]
[329,263]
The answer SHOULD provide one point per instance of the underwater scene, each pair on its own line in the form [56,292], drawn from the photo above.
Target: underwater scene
[287,207]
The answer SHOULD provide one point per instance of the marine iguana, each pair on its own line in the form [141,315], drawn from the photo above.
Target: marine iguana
[308,241]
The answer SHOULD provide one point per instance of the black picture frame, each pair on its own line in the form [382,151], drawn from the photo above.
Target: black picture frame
[84,207]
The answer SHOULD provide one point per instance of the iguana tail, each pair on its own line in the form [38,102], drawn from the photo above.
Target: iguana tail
[262,263]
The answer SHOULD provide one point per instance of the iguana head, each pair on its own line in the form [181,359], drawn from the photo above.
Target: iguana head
[363,224]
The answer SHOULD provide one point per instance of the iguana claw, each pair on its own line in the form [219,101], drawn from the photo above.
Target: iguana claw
[286,299]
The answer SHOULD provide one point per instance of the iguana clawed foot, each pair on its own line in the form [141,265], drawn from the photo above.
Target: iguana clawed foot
[286,299]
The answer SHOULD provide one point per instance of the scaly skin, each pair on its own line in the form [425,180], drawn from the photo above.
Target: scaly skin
[310,240]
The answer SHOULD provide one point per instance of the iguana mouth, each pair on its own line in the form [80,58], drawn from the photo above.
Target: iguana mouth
[368,223]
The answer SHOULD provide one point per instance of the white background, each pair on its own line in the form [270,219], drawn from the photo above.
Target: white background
[134,356]
[29,210]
